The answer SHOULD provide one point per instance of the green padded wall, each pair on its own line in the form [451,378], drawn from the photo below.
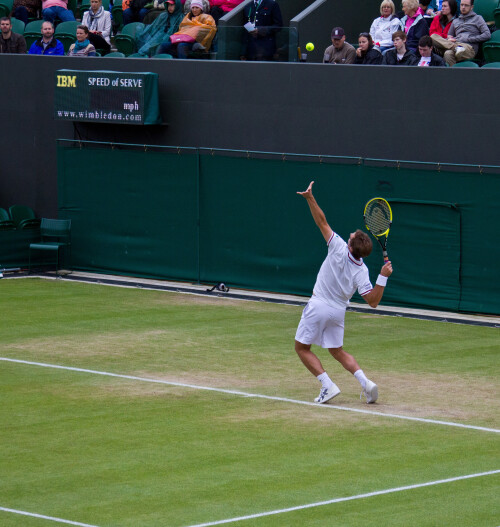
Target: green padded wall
[209,216]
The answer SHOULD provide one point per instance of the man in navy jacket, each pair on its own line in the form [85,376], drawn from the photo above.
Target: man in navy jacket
[47,44]
[263,21]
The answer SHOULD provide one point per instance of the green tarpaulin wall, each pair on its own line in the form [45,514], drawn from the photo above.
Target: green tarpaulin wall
[208,216]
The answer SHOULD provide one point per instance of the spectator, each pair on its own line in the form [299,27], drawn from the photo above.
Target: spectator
[196,32]
[425,55]
[10,42]
[464,36]
[99,23]
[441,23]
[366,52]
[219,8]
[340,52]
[205,8]
[82,47]
[399,56]
[134,11]
[413,24]
[264,21]
[160,30]
[56,9]
[47,44]
[26,9]
[425,11]
[437,5]
[384,26]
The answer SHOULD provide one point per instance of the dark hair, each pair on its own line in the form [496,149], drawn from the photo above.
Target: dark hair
[370,42]
[425,42]
[443,19]
[6,18]
[424,3]
[84,28]
[400,34]
[361,245]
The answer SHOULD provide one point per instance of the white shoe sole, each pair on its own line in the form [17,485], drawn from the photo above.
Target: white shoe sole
[333,393]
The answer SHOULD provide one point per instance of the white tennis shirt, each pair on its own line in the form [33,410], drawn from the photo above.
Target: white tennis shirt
[340,275]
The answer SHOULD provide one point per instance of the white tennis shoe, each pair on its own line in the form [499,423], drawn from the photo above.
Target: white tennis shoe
[327,393]
[370,392]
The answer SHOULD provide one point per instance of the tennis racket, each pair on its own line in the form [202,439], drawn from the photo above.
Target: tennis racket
[378,220]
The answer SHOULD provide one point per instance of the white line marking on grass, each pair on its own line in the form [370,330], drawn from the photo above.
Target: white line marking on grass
[255,395]
[51,518]
[348,498]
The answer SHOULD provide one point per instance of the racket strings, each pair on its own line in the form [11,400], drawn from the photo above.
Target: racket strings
[378,218]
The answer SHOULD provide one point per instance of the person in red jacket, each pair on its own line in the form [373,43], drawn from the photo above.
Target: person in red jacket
[441,23]
[221,7]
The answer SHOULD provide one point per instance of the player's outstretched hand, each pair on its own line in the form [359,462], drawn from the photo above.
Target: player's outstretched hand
[386,269]
[307,193]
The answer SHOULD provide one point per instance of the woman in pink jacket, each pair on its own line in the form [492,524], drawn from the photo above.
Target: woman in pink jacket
[220,7]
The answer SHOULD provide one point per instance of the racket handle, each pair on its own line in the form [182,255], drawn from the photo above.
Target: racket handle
[386,258]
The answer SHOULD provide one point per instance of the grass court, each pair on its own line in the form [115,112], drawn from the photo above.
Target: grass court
[207,419]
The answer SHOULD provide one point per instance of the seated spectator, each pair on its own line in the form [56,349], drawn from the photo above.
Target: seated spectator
[47,44]
[205,8]
[264,22]
[196,32]
[56,9]
[413,24]
[219,8]
[441,23]
[425,11]
[366,52]
[10,42]
[82,47]
[26,9]
[399,56]
[99,23]
[465,35]
[425,55]
[134,11]
[340,52]
[384,26]
[161,29]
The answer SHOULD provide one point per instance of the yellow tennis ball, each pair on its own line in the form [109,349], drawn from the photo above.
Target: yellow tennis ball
[309,46]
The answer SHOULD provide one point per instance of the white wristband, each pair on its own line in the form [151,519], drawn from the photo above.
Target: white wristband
[381,280]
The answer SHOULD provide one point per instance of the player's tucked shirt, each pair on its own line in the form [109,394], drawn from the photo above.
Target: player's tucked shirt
[340,275]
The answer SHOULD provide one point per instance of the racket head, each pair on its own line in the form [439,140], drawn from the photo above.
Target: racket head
[378,216]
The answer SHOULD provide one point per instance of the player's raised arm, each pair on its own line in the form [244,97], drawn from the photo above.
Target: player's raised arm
[317,214]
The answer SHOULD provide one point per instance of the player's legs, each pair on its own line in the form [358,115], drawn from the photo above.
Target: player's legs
[346,359]
[308,358]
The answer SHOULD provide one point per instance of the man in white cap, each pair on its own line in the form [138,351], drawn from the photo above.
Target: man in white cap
[340,52]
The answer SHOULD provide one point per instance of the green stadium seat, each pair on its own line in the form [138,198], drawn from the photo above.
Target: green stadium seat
[492,65]
[6,7]
[496,14]
[17,26]
[486,8]
[73,6]
[55,235]
[85,6]
[32,32]
[116,54]
[491,48]
[23,217]
[66,33]
[137,56]
[117,14]
[125,41]
[163,56]
[6,224]
[465,64]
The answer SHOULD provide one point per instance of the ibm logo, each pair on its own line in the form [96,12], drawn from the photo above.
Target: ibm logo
[66,81]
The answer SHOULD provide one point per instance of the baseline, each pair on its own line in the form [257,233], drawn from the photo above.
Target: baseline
[255,395]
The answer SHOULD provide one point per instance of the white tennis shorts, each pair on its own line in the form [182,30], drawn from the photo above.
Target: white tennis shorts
[321,324]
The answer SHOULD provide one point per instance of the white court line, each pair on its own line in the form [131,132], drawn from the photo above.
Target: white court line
[281,511]
[255,395]
[50,518]
[348,498]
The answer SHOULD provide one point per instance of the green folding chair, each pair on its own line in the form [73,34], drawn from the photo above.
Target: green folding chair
[55,238]
[23,217]
[125,41]
[6,224]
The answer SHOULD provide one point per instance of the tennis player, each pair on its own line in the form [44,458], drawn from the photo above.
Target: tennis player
[322,323]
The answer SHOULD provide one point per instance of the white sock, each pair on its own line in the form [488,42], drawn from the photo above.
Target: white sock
[325,381]
[361,378]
